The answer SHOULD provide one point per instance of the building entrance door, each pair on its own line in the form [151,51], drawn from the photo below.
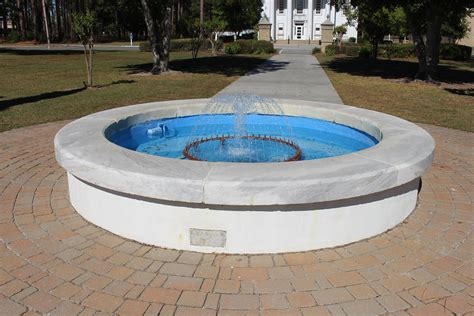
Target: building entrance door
[299,30]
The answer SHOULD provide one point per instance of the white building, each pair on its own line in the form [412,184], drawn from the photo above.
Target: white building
[300,20]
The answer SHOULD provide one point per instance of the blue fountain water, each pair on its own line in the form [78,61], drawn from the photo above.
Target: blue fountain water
[316,138]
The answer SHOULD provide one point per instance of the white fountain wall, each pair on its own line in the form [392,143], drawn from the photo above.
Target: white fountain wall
[246,231]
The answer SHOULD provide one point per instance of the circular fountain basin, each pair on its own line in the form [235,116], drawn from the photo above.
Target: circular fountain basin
[244,207]
[261,138]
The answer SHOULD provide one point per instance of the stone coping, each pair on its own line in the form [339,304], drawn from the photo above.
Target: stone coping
[403,154]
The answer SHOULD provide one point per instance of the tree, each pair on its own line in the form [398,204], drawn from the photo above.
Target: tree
[197,36]
[214,28]
[455,27]
[339,31]
[424,20]
[398,22]
[83,25]
[374,22]
[239,15]
[158,21]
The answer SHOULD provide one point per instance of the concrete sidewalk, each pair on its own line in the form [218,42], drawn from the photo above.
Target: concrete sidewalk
[293,74]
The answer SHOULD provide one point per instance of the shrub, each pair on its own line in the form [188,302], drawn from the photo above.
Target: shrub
[397,50]
[219,45]
[254,46]
[351,50]
[246,46]
[13,36]
[331,50]
[182,44]
[264,47]
[365,52]
[144,47]
[316,50]
[455,52]
[352,39]
[233,48]
[388,50]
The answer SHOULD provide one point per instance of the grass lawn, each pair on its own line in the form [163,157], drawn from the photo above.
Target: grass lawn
[381,85]
[39,86]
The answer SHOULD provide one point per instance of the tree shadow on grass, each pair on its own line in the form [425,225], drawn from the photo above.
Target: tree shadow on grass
[465,92]
[52,95]
[35,98]
[115,83]
[223,65]
[395,69]
[40,51]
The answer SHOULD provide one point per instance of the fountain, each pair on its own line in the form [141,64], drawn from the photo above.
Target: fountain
[243,174]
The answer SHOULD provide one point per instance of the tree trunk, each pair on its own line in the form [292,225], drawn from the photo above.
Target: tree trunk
[420,51]
[420,48]
[34,19]
[165,39]
[159,36]
[433,40]
[21,19]
[375,47]
[5,21]
[91,53]
[89,77]
[201,11]
[45,23]
[117,26]
[59,29]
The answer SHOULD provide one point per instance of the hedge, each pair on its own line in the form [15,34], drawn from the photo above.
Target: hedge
[390,50]
[396,50]
[455,52]
[352,50]
[331,50]
[243,46]
[232,48]
[316,50]
[184,44]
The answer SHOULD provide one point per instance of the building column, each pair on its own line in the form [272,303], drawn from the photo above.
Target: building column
[274,24]
[310,19]
[327,10]
[289,19]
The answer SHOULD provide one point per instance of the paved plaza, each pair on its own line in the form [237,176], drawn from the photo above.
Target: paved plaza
[54,261]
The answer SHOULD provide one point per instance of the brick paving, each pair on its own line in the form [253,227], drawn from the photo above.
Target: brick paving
[53,261]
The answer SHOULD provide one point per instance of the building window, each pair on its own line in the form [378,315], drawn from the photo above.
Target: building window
[280,29]
[281,6]
[318,6]
[299,6]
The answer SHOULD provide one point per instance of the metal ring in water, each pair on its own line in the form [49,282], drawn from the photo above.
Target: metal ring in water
[196,143]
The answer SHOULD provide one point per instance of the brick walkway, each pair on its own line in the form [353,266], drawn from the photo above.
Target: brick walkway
[54,261]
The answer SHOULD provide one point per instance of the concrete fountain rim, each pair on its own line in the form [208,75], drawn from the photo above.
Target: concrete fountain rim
[403,154]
